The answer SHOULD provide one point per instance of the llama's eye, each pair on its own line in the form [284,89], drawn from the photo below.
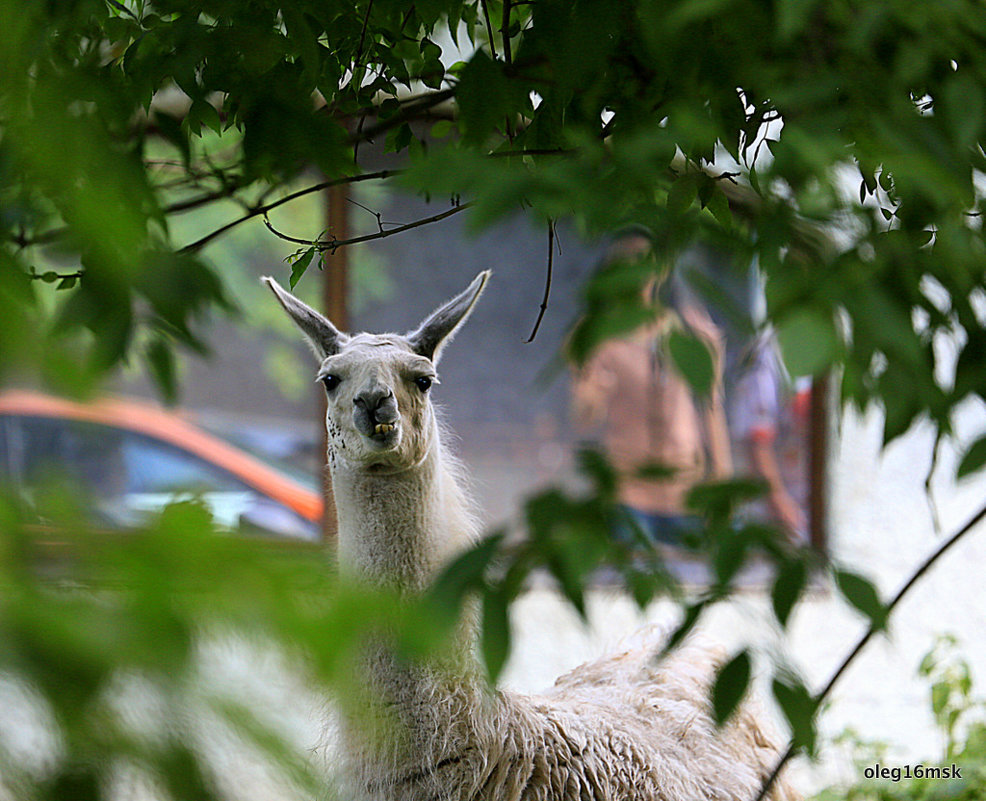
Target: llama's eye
[330,382]
[423,383]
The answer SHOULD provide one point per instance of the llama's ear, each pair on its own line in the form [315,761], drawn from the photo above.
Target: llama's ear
[324,337]
[438,328]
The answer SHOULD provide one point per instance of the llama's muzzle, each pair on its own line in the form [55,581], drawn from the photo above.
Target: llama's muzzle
[375,411]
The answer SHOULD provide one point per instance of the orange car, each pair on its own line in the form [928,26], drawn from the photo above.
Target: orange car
[131,459]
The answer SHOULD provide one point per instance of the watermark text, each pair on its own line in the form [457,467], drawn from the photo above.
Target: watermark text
[919,771]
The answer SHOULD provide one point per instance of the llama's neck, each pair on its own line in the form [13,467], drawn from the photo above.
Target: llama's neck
[400,528]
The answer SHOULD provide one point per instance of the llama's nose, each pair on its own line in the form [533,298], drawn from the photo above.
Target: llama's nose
[377,404]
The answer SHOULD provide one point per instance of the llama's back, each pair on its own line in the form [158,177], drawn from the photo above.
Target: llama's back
[631,727]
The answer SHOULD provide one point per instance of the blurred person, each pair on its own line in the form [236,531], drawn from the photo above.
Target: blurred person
[646,413]
[758,403]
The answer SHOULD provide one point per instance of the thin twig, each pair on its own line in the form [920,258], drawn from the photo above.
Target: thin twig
[333,245]
[368,210]
[874,627]
[489,29]
[285,237]
[362,38]
[505,32]
[507,58]
[547,282]
[198,244]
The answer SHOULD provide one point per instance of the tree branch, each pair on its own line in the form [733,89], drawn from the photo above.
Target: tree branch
[861,644]
[256,211]
[362,38]
[334,244]
[505,32]
[408,112]
[489,30]
[547,282]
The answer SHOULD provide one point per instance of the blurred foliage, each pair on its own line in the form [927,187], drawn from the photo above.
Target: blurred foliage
[109,648]
[836,144]
[961,720]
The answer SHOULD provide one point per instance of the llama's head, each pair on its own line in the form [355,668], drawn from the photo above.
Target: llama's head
[380,417]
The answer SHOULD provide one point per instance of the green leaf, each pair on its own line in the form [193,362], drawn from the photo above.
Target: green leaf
[182,772]
[730,686]
[398,138]
[792,17]
[799,709]
[300,265]
[496,631]
[171,129]
[161,362]
[693,360]
[718,499]
[808,341]
[486,97]
[973,459]
[441,129]
[862,595]
[718,205]
[941,691]
[605,323]
[202,113]
[466,572]
[594,465]
[682,193]
[692,613]
[792,576]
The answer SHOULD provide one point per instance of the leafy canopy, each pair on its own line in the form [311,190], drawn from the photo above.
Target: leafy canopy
[740,121]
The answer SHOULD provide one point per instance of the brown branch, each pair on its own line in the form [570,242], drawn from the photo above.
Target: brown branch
[202,200]
[874,627]
[547,282]
[362,38]
[334,244]
[408,112]
[256,211]
[489,29]
[378,215]
[505,32]
[285,237]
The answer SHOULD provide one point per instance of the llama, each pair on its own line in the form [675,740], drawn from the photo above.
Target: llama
[624,728]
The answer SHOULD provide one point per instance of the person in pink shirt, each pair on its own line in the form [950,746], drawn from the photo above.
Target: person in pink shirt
[646,414]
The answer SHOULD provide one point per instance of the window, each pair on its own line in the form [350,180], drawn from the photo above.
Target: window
[124,477]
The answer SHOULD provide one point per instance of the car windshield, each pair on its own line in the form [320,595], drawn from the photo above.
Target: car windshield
[289,452]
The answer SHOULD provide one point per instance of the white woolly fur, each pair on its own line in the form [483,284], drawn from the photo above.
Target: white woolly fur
[629,727]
